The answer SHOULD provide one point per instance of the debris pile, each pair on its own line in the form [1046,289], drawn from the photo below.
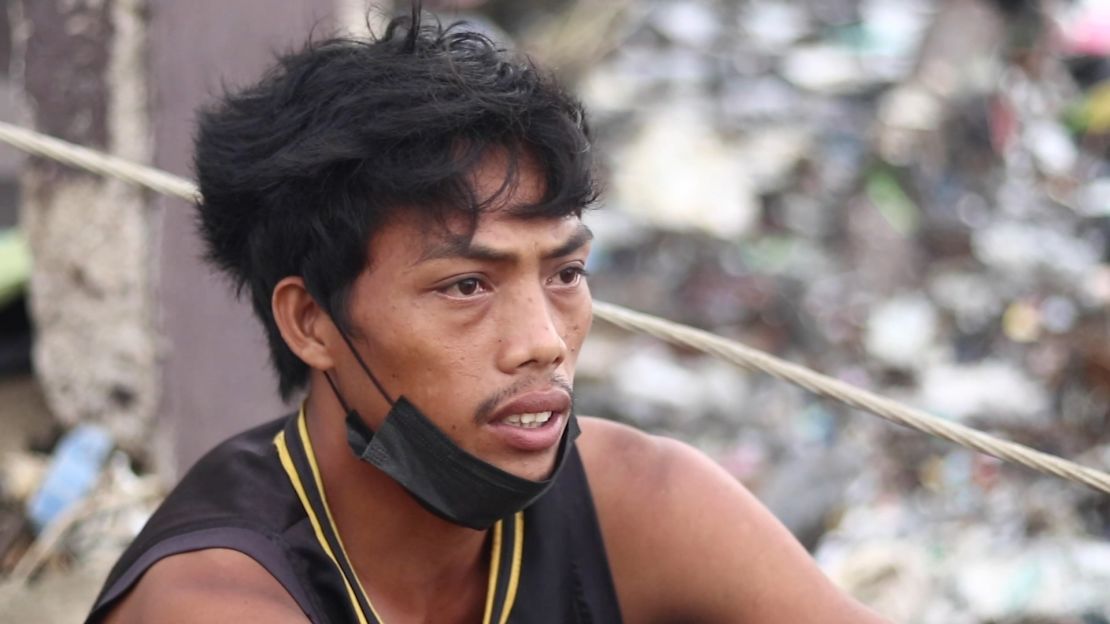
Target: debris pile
[908,195]
[65,516]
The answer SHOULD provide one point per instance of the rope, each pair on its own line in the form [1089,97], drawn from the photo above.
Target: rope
[736,353]
[98,162]
[751,359]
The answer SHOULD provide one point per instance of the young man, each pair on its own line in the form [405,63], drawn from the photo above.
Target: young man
[405,214]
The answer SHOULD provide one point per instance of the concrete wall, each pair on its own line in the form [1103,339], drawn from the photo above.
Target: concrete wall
[133,329]
[83,75]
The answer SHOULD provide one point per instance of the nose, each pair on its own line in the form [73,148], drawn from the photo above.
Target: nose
[531,336]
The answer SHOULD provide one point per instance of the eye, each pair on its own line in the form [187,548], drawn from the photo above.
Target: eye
[571,276]
[466,287]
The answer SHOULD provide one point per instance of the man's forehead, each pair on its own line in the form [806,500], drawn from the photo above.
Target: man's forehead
[566,235]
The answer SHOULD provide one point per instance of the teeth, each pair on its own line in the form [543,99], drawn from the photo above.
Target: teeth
[528,421]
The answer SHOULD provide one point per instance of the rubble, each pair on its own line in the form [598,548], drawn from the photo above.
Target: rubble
[901,331]
[692,167]
[67,511]
[988,388]
[926,185]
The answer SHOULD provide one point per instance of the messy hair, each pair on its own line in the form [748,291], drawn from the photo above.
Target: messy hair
[298,171]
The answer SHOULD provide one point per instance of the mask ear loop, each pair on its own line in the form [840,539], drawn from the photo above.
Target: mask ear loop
[365,369]
[335,390]
[358,433]
[343,335]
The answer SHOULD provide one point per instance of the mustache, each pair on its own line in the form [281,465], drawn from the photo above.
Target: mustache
[485,409]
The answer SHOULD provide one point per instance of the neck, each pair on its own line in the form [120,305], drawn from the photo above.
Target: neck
[409,560]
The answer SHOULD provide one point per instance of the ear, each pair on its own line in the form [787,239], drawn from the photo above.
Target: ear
[304,325]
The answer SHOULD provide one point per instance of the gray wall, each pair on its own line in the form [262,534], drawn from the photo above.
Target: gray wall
[217,375]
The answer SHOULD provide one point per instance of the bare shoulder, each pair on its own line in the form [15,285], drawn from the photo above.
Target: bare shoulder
[629,469]
[688,542]
[212,585]
[605,441]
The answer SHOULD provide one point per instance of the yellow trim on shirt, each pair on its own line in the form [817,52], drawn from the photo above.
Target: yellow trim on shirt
[307,442]
[291,470]
[494,568]
[495,554]
[514,571]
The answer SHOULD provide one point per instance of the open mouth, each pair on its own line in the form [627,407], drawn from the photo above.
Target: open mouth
[532,420]
[530,431]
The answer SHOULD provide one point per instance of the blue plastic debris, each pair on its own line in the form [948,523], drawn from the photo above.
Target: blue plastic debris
[73,472]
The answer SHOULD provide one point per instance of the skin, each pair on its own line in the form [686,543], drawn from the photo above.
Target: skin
[686,542]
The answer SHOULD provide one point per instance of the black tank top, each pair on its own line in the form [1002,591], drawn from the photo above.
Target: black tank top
[259,493]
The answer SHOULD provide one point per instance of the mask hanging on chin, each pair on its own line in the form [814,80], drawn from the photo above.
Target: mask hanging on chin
[445,479]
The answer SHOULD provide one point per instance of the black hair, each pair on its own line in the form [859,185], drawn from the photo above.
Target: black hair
[299,170]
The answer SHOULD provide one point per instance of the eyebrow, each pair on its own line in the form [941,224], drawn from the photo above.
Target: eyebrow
[464,247]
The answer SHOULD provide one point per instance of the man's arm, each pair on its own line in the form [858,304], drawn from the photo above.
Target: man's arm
[213,585]
[687,542]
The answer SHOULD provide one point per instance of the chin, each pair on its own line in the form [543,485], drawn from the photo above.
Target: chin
[533,468]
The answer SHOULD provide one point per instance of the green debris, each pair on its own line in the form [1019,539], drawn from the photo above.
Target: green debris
[770,253]
[889,198]
[1092,115]
[15,265]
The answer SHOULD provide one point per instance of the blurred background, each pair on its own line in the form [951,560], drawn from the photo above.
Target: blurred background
[909,195]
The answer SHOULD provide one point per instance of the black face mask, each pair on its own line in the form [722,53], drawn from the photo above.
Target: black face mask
[443,478]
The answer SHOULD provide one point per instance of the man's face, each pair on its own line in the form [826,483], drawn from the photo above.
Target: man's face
[480,332]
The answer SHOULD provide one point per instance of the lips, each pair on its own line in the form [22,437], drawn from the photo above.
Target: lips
[532,421]
[555,400]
